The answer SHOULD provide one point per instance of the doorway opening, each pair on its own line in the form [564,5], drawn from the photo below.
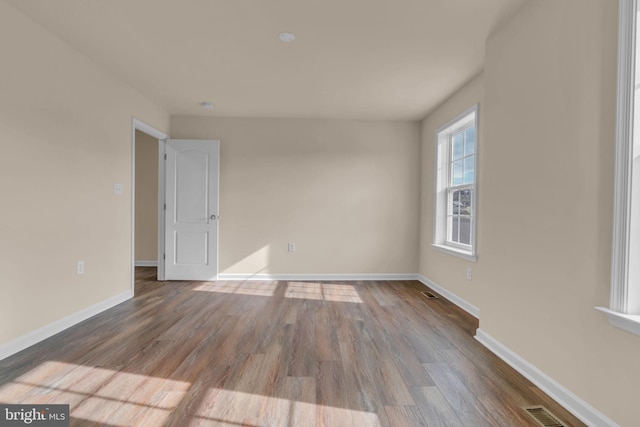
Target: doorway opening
[146,201]
[146,191]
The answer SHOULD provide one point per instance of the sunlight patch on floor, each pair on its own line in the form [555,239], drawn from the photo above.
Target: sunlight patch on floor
[117,398]
[233,408]
[322,291]
[96,394]
[264,289]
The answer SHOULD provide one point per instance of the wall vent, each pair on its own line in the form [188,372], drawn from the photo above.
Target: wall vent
[543,417]
[429,294]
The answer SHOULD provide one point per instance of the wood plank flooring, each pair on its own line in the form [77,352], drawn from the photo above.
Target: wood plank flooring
[274,354]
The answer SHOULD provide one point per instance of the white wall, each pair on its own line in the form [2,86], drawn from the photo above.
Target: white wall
[345,192]
[65,127]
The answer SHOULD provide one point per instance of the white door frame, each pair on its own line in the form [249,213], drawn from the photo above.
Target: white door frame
[137,124]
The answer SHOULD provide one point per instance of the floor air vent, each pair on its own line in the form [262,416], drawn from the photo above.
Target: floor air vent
[429,294]
[543,416]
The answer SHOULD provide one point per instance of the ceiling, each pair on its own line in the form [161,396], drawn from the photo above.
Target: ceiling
[352,59]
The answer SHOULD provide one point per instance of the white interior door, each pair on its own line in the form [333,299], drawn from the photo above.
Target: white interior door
[191,219]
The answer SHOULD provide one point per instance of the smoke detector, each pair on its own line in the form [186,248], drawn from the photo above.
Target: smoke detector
[286,37]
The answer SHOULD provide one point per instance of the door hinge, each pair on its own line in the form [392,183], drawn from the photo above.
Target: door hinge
[164,256]
[165,206]
[165,156]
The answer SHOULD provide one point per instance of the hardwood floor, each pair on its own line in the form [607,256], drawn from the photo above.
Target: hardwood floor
[274,354]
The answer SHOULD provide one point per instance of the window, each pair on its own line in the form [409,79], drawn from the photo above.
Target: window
[624,306]
[455,192]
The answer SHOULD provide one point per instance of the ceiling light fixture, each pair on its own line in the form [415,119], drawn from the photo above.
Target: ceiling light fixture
[207,105]
[286,37]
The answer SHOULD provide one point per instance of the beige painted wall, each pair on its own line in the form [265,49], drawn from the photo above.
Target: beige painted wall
[444,269]
[345,192]
[146,226]
[65,126]
[545,200]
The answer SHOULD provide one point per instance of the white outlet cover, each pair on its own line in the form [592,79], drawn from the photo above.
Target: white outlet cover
[117,189]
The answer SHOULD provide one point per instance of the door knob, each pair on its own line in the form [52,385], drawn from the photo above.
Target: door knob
[213,217]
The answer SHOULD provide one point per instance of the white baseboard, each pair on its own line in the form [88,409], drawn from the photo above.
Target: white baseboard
[316,277]
[466,306]
[572,403]
[146,263]
[18,344]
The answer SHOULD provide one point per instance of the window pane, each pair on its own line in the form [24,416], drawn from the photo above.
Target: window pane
[465,207]
[458,146]
[454,208]
[469,170]
[454,229]
[465,230]
[469,140]
[457,172]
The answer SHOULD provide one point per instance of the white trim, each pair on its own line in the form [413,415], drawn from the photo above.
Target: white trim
[149,130]
[137,124]
[162,151]
[455,251]
[623,160]
[572,403]
[317,277]
[463,304]
[627,322]
[140,263]
[18,344]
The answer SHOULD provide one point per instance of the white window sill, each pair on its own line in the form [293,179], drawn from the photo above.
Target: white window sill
[627,322]
[455,251]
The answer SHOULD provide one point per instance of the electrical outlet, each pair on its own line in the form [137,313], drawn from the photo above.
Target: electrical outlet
[80,267]
[291,247]
[469,273]
[117,189]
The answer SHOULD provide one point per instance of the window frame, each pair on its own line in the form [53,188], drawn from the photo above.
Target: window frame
[444,187]
[622,291]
